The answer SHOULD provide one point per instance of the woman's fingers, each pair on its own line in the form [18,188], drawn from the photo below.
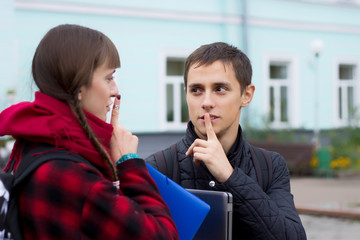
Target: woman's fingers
[115,111]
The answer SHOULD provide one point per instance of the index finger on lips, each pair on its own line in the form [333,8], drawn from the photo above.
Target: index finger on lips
[209,129]
[115,111]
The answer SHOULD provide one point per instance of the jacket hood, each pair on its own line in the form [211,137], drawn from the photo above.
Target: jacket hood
[48,120]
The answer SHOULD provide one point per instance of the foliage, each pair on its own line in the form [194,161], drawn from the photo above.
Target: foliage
[314,163]
[281,136]
[11,92]
[340,163]
[268,133]
[343,143]
[345,148]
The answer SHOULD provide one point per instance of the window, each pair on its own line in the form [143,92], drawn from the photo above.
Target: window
[346,98]
[177,114]
[278,92]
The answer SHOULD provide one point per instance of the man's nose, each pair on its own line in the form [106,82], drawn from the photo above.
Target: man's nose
[208,101]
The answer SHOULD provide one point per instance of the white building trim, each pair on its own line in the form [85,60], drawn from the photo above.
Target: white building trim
[293,85]
[302,26]
[337,3]
[336,85]
[163,79]
[126,12]
[180,16]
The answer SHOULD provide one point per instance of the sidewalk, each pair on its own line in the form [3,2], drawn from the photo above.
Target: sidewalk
[327,196]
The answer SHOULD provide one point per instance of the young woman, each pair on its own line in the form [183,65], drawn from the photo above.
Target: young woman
[114,197]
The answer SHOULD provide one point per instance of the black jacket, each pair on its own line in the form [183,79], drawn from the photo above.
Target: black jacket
[257,214]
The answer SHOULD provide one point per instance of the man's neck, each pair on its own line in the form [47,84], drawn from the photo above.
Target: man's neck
[228,140]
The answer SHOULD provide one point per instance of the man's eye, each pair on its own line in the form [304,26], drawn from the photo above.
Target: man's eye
[221,89]
[195,90]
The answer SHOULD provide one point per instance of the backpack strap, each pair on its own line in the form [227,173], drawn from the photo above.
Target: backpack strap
[160,162]
[167,162]
[30,162]
[263,166]
[174,160]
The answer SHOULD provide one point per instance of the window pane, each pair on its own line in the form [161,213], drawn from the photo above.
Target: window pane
[184,107]
[283,104]
[272,107]
[175,67]
[278,71]
[169,102]
[346,72]
[340,104]
[350,102]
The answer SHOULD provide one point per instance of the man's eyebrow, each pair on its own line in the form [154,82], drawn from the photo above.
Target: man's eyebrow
[194,85]
[226,84]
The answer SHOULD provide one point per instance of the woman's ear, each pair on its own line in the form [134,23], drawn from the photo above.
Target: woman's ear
[80,95]
[247,95]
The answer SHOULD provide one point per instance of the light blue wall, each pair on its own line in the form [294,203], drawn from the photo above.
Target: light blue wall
[305,11]
[7,50]
[144,30]
[199,6]
[140,41]
[299,24]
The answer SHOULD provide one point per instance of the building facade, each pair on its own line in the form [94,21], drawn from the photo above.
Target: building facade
[305,55]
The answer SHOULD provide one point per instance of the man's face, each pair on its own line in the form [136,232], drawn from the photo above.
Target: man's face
[214,89]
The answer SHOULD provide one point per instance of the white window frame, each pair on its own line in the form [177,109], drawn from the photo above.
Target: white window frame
[291,83]
[355,83]
[176,125]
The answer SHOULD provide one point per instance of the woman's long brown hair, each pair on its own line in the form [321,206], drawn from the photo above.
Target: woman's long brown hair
[65,61]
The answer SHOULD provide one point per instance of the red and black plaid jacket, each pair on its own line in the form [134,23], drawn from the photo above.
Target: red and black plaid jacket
[70,200]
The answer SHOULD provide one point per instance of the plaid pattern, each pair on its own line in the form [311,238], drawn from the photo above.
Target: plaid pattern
[69,200]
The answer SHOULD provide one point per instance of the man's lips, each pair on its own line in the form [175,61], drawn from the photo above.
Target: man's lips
[212,117]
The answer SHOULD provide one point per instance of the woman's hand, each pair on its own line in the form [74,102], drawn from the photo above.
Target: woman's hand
[122,141]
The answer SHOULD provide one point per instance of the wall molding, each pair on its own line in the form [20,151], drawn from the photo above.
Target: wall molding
[181,16]
[258,22]
[127,12]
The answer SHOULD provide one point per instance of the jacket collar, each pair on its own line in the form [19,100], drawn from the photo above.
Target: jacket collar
[235,150]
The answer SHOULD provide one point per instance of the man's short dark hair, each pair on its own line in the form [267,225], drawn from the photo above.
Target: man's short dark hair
[228,55]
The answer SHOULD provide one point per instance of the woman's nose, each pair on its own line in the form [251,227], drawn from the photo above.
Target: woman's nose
[114,91]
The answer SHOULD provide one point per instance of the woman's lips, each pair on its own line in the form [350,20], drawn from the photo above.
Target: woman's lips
[108,107]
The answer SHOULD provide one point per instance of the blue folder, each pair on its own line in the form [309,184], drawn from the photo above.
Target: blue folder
[187,210]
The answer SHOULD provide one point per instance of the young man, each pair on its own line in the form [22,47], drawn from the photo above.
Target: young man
[213,154]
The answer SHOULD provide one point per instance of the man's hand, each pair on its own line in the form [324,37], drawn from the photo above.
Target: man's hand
[211,152]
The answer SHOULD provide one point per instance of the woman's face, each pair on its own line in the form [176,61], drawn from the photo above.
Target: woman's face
[96,99]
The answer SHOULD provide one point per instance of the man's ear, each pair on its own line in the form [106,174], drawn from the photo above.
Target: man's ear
[248,95]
